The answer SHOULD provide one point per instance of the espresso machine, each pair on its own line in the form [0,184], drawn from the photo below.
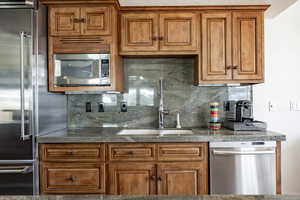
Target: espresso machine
[239,117]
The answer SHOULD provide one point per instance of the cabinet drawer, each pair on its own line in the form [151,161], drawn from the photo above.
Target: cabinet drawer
[72,178]
[72,152]
[182,152]
[117,152]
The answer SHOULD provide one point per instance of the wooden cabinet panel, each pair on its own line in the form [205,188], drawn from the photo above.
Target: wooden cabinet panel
[132,179]
[97,21]
[179,31]
[87,44]
[176,152]
[64,21]
[72,178]
[182,178]
[139,32]
[216,46]
[131,152]
[72,152]
[248,46]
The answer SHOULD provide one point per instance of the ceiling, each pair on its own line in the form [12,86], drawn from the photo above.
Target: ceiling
[277,6]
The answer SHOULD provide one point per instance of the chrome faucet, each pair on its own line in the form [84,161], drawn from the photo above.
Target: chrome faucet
[161,110]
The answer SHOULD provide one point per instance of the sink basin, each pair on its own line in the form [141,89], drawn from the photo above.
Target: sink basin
[154,132]
[176,132]
[138,132]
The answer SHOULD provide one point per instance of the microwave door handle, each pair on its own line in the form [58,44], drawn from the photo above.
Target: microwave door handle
[22,91]
[16,170]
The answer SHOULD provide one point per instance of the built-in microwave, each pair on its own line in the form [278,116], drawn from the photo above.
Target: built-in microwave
[74,70]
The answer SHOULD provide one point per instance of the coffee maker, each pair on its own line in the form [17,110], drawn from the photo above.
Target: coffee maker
[239,117]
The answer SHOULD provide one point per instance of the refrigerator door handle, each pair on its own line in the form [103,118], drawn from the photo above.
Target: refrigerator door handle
[23,35]
[16,170]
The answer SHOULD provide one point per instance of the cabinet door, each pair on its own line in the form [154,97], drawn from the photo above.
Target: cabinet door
[132,179]
[182,178]
[216,46]
[179,31]
[248,46]
[139,32]
[64,21]
[96,21]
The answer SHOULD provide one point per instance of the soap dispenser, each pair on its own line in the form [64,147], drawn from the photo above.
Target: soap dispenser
[178,125]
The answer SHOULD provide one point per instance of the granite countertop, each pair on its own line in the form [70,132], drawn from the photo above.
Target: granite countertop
[153,197]
[91,135]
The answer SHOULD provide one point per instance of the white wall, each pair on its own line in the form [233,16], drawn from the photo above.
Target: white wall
[282,50]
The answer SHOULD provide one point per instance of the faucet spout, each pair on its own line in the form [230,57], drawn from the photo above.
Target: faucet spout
[161,110]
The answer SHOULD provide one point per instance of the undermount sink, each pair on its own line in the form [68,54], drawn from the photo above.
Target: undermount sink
[154,132]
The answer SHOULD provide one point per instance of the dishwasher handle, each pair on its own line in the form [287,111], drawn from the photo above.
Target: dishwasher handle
[235,152]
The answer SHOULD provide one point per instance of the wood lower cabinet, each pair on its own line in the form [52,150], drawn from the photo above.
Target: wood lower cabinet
[189,178]
[72,178]
[127,169]
[132,178]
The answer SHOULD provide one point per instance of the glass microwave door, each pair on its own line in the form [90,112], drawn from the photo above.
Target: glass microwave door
[77,70]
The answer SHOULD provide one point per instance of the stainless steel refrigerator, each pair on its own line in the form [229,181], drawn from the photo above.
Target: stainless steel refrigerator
[26,107]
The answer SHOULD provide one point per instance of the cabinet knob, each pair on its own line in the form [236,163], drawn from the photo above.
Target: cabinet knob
[159,178]
[160,38]
[154,38]
[235,67]
[76,20]
[72,179]
[130,153]
[153,178]
[71,153]
[228,67]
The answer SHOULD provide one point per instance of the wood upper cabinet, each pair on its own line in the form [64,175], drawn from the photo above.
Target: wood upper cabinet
[248,53]
[154,32]
[64,20]
[216,46]
[132,179]
[96,21]
[79,21]
[182,178]
[232,47]
[139,32]
[178,31]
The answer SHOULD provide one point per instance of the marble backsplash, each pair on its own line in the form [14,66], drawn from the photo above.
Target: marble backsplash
[142,97]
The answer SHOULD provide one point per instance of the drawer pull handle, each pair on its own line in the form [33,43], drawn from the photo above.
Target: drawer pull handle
[71,153]
[72,179]
[130,153]
[153,178]
[159,178]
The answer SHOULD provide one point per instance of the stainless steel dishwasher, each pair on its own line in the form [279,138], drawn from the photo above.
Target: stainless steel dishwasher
[246,168]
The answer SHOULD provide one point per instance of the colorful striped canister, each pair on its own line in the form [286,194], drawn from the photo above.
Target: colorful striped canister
[214,122]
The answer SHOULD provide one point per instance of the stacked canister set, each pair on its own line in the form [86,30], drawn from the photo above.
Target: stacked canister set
[214,122]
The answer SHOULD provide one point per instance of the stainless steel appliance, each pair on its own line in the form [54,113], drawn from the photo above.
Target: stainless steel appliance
[81,70]
[238,111]
[26,108]
[239,117]
[245,168]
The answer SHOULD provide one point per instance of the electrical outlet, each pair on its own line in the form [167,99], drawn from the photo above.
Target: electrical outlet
[88,107]
[272,107]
